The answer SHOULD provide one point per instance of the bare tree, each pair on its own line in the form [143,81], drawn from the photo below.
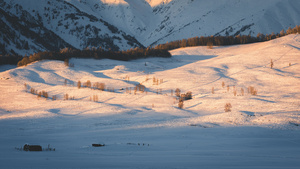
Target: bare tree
[252,90]
[66,82]
[180,103]
[227,107]
[271,64]
[223,84]
[79,84]
[177,92]
[66,96]
[66,62]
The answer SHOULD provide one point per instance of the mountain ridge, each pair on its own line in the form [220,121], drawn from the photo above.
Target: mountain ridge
[125,24]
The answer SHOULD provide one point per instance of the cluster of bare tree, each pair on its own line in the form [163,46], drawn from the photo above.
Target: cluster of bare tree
[182,97]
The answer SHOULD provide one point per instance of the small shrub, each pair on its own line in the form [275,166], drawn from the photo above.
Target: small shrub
[39,95]
[66,96]
[32,91]
[252,90]
[45,94]
[180,104]
[228,88]
[66,62]
[227,107]
[25,86]
[99,86]
[223,84]
[139,87]
[79,84]
[87,84]
[188,95]
[234,92]
[65,82]
[212,90]
[182,96]
[271,64]
[290,64]
[157,81]
[95,98]
[242,91]
[177,92]
[102,86]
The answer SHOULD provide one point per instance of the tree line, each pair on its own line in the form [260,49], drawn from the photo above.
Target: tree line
[96,53]
[225,40]
[160,50]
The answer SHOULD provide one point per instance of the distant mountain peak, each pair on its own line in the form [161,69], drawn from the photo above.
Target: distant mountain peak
[154,3]
[114,2]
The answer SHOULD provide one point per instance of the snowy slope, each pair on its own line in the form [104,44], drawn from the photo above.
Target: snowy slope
[124,24]
[194,69]
[138,129]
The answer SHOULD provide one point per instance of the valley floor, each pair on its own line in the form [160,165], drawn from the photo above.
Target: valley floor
[146,129]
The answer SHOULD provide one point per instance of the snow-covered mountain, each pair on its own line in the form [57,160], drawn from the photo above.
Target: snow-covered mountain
[59,23]
[124,24]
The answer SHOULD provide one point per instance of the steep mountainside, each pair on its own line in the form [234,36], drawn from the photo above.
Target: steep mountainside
[52,25]
[124,24]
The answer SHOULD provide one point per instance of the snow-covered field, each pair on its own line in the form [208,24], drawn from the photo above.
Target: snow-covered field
[148,130]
